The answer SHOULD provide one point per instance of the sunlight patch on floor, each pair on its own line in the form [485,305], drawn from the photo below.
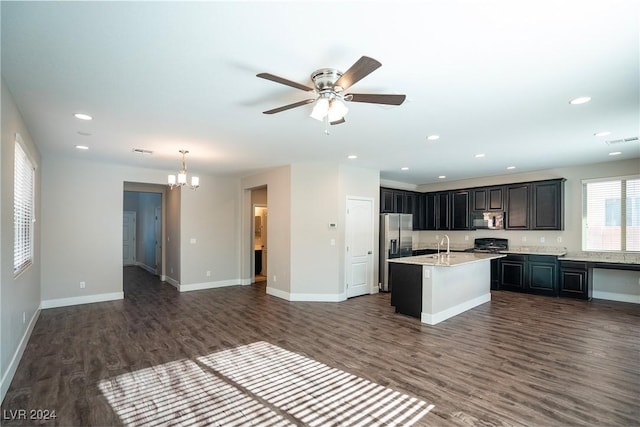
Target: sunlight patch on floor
[256,384]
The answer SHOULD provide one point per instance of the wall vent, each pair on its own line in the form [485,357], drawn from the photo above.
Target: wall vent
[622,141]
[142,151]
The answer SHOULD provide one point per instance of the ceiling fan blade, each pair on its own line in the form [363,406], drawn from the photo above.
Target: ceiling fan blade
[289,106]
[284,81]
[362,68]
[374,98]
[337,122]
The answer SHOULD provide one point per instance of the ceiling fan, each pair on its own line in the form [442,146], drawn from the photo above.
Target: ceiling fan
[330,85]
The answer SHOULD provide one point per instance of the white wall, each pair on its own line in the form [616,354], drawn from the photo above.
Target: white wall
[303,199]
[173,237]
[315,202]
[19,296]
[210,217]
[82,228]
[278,183]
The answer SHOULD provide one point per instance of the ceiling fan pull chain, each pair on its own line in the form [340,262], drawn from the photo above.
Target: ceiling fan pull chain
[326,125]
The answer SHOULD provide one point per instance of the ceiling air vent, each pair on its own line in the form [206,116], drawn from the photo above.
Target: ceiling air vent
[622,141]
[142,151]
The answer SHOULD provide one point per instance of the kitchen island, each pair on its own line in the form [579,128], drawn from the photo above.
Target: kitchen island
[437,287]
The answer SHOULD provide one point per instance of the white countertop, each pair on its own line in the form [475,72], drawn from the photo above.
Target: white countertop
[444,260]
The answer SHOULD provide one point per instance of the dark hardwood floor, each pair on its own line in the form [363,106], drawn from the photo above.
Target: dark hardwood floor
[236,356]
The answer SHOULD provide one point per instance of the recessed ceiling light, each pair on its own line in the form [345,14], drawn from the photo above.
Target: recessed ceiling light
[615,153]
[603,133]
[352,156]
[433,137]
[479,155]
[580,100]
[404,168]
[442,177]
[82,147]
[511,167]
[84,133]
[82,116]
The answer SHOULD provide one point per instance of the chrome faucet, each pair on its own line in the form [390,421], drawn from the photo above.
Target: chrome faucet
[448,242]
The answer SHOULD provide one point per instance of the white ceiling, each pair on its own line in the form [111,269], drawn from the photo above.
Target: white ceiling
[491,77]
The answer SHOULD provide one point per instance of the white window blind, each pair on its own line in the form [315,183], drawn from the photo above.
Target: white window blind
[611,214]
[23,209]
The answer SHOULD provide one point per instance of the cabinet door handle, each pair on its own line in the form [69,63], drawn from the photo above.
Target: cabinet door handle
[369,253]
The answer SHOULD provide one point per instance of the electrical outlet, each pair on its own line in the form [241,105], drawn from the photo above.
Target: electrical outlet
[208,273]
[559,239]
[24,317]
[524,238]
[274,278]
[466,237]
[83,285]
[542,239]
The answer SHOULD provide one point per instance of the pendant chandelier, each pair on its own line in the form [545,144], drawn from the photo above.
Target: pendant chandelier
[182,176]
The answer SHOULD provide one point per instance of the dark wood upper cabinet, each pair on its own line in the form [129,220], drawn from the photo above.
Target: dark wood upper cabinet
[460,210]
[487,199]
[430,204]
[495,198]
[518,206]
[386,201]
[479,199]
[537,205]
[442,211]
[547,199]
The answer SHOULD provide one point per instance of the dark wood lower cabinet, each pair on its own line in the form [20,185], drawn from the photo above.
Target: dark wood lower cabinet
[543,274]
[495,274]
[574,280]
[405,283]
[535,274]
[513,273]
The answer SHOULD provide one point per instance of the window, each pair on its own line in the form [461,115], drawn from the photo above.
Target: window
[23,209]
[611,214]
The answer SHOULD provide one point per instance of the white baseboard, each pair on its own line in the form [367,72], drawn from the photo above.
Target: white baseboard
[173,282]
[88,299]
[306,297]
[433,319]
[208,285]
[15,361]
[277,293]
[613,296]
[146,267]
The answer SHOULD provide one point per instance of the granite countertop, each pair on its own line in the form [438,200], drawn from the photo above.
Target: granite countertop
[536,250]
[604,257]
[453,247]
[444,260]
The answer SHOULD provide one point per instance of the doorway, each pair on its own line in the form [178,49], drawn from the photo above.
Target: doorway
[143,216]
[259,246]
[260,242]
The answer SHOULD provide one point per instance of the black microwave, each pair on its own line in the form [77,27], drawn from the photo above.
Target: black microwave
[487,220]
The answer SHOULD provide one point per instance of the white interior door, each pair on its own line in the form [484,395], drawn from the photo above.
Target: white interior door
[128,238]
[359,235]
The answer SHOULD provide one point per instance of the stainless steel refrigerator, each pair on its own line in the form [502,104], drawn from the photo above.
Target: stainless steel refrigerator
[395,242]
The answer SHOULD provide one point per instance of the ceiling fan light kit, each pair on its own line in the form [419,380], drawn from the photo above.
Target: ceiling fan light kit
[329,86]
